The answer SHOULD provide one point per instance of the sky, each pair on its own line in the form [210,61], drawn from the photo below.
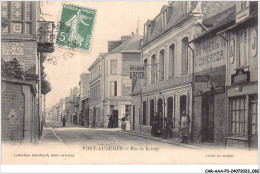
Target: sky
[113,19]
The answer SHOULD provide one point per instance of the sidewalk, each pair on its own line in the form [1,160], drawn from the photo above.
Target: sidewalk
[49,136]
[174,141]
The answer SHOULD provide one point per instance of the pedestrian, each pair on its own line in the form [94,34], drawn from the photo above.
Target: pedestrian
[63,121]
[168,128]
[160,124]
[154,130]
[110,123]
[123,124]
[184,126]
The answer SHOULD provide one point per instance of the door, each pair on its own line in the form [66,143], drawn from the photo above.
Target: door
[207,118]
[253,129]
[115,118]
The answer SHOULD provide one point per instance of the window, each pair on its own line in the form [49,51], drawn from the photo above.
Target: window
[145,71]
[161,66]
[106,68]
[127,112]
[237,113]
[164,21]
[113,88]
[242,49]
[184,56]
[171,60]
[153,70]
[113,66]
[253,114]
[127,90]
[19,17]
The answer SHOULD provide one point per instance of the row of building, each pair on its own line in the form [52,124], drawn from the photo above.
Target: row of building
[198,57]
[75,107]
[201,57]
[25,41]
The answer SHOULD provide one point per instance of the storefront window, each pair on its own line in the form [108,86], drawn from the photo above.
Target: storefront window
[237,111]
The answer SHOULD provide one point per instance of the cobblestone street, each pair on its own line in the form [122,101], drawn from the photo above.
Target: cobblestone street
[73,134]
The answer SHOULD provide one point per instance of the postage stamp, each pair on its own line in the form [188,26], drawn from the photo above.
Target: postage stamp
[75,27]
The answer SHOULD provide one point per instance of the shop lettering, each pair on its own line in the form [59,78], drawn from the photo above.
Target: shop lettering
[209,51]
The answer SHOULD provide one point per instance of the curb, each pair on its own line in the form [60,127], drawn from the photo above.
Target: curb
[161,140]
[54,133]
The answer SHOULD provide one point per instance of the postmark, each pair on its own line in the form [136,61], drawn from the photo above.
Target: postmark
[75,27]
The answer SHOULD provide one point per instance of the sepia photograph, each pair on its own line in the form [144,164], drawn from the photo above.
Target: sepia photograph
[148,82]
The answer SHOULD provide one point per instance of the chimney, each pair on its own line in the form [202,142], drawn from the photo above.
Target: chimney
[113,44]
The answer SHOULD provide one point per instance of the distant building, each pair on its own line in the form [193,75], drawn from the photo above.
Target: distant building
[117,85]
[71,103]
[84,99]
[96,93]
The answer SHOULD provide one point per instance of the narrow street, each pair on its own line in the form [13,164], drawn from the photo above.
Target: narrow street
[53,133]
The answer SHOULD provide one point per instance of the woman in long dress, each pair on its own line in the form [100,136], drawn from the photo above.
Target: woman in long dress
[73,23]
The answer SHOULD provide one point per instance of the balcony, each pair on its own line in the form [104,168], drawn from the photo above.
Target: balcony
[45,37]
[170,83]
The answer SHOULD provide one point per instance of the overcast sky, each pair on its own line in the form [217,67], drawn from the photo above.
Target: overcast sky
[113,19]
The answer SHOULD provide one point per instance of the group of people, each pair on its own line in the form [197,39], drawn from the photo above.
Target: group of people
[162,127]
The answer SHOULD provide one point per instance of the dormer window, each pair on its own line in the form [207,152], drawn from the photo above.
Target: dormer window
[164,21]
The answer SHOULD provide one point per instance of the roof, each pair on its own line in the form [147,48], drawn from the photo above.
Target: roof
[218,22]
[130,45]
[252,18]
[176,17]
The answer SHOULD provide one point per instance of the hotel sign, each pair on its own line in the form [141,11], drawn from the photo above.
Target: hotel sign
[240,77]
[137,72]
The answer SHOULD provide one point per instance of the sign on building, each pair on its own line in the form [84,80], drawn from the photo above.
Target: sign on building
[137,72]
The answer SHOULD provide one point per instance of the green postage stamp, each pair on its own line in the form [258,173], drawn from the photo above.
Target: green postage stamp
[75,27]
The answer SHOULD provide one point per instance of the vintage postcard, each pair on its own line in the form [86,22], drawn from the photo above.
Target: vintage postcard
[170,82]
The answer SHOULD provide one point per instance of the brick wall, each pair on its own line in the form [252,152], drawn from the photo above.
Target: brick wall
[12,112]
[24,51]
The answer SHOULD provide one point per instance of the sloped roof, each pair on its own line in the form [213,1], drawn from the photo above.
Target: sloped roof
[176,17]
[218,22]
[130,45]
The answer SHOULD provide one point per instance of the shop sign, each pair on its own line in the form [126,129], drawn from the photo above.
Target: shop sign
[240,77]
[137,72]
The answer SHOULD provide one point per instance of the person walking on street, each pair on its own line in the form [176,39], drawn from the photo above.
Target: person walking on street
[184,126]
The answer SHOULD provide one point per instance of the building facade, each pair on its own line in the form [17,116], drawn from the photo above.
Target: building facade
[242,78]
[96,92]
[117,100]
[84,98]
[20,49]
[168,59]
[210,59]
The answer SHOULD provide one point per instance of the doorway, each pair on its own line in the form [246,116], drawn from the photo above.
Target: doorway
[115,118]
[207,118]
[151,112]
